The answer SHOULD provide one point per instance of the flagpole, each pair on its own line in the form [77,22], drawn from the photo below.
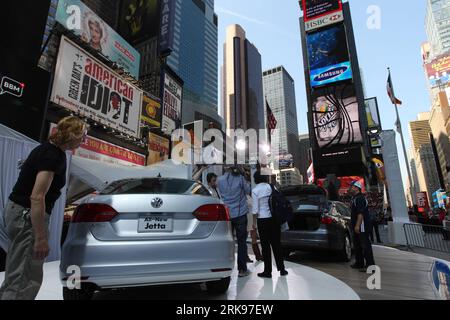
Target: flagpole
[408,169]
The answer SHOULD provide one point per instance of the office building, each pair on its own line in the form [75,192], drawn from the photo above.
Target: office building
[195,58]
[440,126]
[279,92]
[243,103]
[437,25]
[422,153]
[288,177]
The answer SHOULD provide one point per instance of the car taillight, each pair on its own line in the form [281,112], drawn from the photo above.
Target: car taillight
[93,212]
[327,220]
[212,212]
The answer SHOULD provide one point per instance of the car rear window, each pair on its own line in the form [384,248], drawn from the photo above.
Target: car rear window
[307,202]
[155,186]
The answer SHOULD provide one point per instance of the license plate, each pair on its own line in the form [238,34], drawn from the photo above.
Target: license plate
[155,224]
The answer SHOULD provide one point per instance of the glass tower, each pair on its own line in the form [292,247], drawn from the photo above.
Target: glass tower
[437,25]
[195,57]
[279,91]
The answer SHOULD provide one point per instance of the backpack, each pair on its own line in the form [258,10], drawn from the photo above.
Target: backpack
[280,208]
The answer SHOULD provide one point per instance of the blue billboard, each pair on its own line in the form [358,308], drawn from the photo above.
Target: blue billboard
[328,56]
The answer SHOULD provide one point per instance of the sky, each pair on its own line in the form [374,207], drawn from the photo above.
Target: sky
[273,27]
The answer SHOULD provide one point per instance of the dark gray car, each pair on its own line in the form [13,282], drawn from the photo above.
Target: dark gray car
[318,224]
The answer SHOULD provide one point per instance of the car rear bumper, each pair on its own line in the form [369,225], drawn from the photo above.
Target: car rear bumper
[141,263]
[321,239]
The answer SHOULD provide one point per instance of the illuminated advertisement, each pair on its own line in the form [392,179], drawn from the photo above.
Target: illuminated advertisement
[438,71]
[321,13]
[373,114]
[345,183]
[328,56]
[336,117]
[151,111]
[139,20]
[98,35]
[422,201]
[158,149]
[84,85]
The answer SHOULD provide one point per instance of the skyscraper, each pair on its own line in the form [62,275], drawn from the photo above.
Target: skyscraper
[422,152]
[279,91]
[195,58]
[437,26]
[242,82]
[304,155]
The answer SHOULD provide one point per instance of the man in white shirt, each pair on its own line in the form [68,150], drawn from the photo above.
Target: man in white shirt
[269,229]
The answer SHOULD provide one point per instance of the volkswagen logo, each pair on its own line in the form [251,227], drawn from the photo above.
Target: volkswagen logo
[157,203]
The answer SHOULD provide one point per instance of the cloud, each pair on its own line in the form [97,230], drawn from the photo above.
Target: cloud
[238,15]
[258,22]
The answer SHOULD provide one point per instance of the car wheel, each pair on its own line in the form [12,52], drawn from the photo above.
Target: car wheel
[218,287]
[346,252]
[85,293]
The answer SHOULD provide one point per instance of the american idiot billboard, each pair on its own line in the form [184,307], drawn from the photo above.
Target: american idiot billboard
[328,56]
[84,85]
[438,71]
[321,13]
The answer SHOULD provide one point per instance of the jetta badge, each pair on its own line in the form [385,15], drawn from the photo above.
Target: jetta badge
[157,203]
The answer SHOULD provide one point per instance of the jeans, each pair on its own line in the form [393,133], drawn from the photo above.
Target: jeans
[377,232]
[363,250]
[270,235]
[239,225]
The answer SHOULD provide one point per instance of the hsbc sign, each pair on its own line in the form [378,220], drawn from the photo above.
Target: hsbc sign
[324,21]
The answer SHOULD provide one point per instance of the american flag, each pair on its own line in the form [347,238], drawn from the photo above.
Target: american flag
[271,121]
[390,90]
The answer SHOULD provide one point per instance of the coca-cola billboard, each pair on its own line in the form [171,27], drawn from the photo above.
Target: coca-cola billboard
[336,117]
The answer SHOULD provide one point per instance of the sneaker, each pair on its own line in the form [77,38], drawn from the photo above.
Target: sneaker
[265,275]
[242,274]
[284,273]
[249,260]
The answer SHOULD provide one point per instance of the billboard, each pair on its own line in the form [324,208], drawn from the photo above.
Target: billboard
[84,85]
[172,97]
[99,150]
[336,117]
[166,26]
[422,202]
[438,71]
[321,13]
[158,149]
[151,111]
[373,114]
[139,20]
[98,35]
[345,183]
[328,56]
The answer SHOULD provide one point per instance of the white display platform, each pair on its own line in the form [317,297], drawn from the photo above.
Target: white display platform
[302,283]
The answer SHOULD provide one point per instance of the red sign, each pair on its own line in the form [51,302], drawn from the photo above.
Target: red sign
[422,202]
[345,183]
[314,9]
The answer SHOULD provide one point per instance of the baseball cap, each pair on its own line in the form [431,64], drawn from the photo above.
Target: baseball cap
[356,184]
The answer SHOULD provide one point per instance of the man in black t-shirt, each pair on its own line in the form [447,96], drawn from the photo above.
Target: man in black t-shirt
[361,225]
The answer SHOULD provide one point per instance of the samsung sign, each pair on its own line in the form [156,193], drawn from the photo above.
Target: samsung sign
[324,21]
[323,76]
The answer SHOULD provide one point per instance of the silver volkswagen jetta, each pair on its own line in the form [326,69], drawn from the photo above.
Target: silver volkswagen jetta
[142,232]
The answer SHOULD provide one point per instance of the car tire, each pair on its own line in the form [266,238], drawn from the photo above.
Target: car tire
[218,287]
[346,252]
[83,294]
